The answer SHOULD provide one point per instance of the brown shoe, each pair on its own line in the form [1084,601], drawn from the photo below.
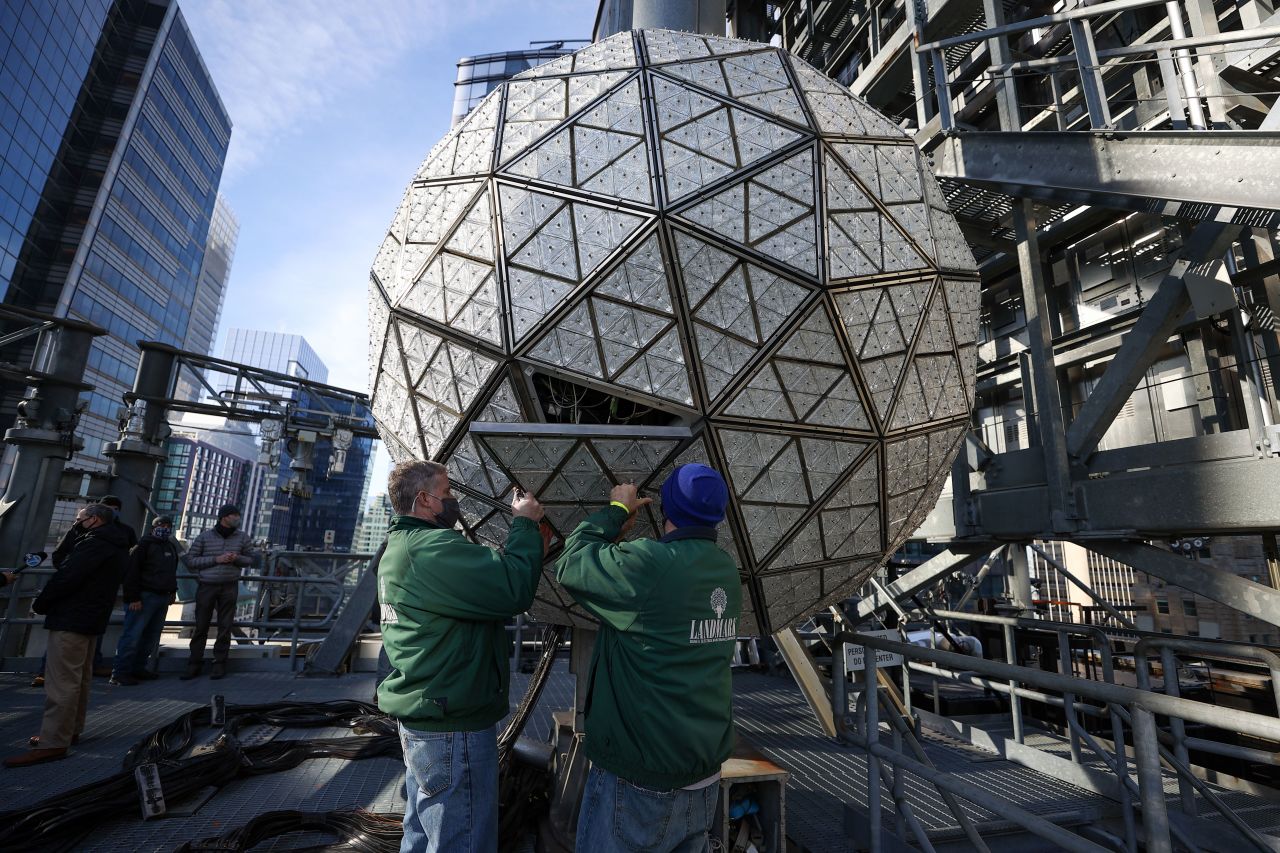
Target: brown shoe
[38,681]
[35,756]
[34,741]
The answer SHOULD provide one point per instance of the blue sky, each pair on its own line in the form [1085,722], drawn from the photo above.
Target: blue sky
[334,106]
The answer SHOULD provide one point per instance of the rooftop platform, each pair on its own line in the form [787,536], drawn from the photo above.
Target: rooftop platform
[827,782]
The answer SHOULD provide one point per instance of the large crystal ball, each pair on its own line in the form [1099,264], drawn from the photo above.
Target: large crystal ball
[670,247]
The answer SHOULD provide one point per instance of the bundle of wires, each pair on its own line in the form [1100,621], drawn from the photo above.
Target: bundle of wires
[523,791]
[59,820]
[360,831]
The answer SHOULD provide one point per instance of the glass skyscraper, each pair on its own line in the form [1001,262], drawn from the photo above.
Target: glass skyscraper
[480,75]
[113,140]
[211,290]
[285,517]
[46,52]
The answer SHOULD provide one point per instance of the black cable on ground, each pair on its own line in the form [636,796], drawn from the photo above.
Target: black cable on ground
[361,831]
[59,820]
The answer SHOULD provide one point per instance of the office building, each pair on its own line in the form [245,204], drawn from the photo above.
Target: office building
[211,291]
[480,75]
[115,140]
[375,520]
[277,351]
[211,462]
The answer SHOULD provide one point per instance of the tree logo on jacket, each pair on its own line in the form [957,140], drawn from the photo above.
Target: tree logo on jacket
[719,601]
[718,629]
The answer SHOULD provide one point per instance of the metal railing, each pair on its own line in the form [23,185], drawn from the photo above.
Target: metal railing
[271,591]
[1137,708]
[329,589]
[1183,88]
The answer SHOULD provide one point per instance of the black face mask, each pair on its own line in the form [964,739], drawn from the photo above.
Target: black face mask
[450,512]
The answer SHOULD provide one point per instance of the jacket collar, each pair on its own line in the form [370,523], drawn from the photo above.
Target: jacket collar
[690,533]
[411,522]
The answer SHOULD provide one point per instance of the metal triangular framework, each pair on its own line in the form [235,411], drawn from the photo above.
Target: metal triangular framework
[602,152]
[662,200]
[704,139]
[806,380]
[772,212]
[735,307]
[552,244]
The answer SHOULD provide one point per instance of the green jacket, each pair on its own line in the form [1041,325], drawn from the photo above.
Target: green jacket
[660,701]
[444,604]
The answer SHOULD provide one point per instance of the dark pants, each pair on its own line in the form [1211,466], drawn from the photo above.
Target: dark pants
[141,634]
[211,596]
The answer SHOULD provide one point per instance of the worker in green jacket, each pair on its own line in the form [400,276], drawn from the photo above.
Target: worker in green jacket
[659,716]
[445,602]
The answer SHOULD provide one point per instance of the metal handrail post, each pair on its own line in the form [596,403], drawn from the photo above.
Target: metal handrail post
[1190,86]
[903,728]
[1127,788]
[1206,647]
[1015,703]
[839,687]
[1068,699]
[297,621]
[1248,832]
[1178,729]
[871,699]
[1090,73]
[1146,748]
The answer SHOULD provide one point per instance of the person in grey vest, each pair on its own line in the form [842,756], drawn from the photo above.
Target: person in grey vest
[216,557]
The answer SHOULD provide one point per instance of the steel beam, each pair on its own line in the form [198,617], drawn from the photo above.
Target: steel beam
[1140,348]
[1044,389]
[1259,601]
[923,575]
[1230,170]
[1210,485]
[815,688]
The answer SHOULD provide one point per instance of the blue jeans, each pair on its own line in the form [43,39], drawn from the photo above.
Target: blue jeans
[617,815]
[141,633]
[451,791]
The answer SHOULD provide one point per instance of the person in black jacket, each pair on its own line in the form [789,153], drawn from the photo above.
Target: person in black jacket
[76,604]
[150,586]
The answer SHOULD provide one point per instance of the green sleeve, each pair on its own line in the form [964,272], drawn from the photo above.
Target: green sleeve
[488,585]
[611,581]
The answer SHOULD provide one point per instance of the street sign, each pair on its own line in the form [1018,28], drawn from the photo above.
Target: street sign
[853,654]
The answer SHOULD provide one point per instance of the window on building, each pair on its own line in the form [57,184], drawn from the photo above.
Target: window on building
[1162,605]
[1189,607]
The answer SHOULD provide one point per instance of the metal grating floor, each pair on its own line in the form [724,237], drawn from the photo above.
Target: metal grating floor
[119,716]
[770,713]
[825,777]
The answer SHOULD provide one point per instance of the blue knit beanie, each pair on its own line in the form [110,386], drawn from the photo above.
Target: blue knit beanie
[694,496]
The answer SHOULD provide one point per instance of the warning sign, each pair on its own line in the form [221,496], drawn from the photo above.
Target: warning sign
[853,654]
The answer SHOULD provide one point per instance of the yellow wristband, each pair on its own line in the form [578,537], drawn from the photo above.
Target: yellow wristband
[620,505]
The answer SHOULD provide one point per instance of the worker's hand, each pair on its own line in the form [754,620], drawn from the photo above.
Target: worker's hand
[135,606]
[628,495]
[8,578]
[525,505]
[225,558]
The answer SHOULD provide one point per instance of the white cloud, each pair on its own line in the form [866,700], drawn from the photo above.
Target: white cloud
[278,64]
